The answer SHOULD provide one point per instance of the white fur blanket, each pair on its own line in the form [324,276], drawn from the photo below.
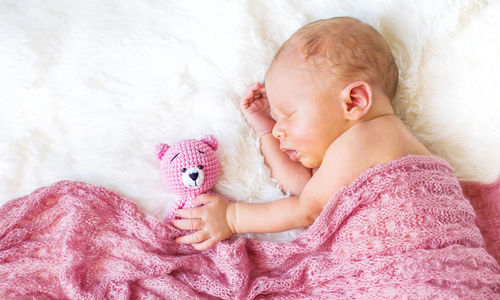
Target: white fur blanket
[89,87]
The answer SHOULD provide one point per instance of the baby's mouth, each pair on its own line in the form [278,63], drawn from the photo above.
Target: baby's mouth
[293,154]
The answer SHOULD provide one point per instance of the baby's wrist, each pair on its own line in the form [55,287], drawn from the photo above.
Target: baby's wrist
[231,217]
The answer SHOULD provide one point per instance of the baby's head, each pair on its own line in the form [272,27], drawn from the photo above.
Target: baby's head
[325,78]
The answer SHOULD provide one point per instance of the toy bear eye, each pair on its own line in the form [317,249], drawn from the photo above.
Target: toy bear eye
[184,170]
[200,167]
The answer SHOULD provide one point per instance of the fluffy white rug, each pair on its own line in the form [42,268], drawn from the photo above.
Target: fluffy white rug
[89,87]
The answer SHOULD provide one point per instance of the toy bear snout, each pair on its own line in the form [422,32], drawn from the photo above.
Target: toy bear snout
[193,177]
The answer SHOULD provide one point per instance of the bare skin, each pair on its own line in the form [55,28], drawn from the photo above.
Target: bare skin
[292,176]
[340,134]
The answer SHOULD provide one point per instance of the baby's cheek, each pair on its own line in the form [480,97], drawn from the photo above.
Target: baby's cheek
[306,135]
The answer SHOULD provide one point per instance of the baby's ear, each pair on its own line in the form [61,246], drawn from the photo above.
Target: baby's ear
[356,100]
[211,141]
[160,150]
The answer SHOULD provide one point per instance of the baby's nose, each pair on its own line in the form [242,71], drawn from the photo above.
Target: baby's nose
[278,132]
[194,175]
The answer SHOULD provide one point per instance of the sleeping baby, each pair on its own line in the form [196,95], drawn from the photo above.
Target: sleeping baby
[323,115]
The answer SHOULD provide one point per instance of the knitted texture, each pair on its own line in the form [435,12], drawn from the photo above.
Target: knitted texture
[188,168]
[400,230]
[485,198]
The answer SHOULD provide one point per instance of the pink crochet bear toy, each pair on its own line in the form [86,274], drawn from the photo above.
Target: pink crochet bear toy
[188,168]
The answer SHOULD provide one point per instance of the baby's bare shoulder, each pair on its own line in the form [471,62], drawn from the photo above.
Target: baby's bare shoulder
[361,147]
[342,163]
[377,141]
[351,154]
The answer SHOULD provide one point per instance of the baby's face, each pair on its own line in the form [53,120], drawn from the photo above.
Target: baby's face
[307,119]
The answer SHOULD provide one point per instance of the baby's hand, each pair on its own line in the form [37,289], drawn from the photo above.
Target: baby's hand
[255,108]
[209,220]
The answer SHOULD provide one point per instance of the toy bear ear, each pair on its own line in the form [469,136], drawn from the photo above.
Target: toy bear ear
[160,150]
[211,141]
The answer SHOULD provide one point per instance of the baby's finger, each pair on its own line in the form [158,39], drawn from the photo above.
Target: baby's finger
[187,224]
[193,238]
[251,88]
[189,213]
[245,103]
[209,243]
[248,94]
[202,199]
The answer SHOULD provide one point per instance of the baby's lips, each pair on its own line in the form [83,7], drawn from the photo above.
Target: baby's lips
[284,149]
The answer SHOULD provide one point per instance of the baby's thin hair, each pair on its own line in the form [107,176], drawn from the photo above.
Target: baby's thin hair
[345,46]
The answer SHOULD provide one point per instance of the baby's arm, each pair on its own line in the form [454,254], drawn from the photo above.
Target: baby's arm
[276,216]
[219,218]
[291,176]
[336,170]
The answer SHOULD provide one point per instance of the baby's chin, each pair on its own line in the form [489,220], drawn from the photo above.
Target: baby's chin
[309,162]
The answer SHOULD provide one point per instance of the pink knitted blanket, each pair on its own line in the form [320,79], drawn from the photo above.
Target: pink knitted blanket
[400,230]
